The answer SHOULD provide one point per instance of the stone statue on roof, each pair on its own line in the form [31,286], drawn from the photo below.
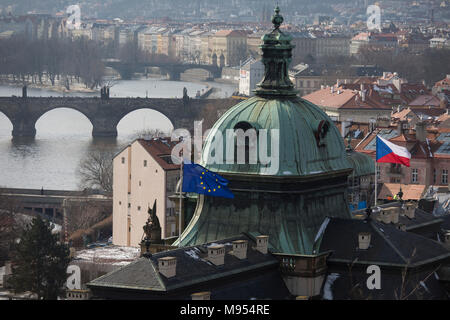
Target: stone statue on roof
[152,228]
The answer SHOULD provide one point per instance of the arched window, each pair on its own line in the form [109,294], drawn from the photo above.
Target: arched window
[246,143]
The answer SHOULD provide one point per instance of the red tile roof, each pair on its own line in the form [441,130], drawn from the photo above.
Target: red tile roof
[410,191]
[160,149]
[346,97]
[418,149]
[425,100]
[230,33]
[402,115]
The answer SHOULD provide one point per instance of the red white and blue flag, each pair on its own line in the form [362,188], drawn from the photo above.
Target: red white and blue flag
[391,153]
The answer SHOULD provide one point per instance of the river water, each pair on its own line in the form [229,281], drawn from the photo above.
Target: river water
[63,136]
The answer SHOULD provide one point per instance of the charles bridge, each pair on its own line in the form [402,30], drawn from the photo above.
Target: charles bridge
[105,113]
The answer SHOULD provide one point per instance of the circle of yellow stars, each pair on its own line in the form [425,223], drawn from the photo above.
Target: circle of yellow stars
[204,188]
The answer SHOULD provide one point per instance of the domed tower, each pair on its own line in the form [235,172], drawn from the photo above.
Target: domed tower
[306,179]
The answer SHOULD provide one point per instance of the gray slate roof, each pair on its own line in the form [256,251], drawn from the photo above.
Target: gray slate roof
[192,268]
[388,246]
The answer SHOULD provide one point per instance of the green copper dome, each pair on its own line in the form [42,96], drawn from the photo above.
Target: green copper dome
[309,142]
[289,201]
[362,164]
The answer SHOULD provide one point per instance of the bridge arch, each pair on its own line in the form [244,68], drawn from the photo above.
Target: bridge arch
[6,125]
[144,119]
[103,114]
[74,120]
[202,73]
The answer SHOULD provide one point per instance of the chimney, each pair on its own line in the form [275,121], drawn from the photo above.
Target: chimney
[447,239]
[364,240]
[322,87]
[398,84]
[205,295]
[216,254]
[338,83]
[167,266]
[395,215]
[401,126]
[385,216]
[421,131]
[332,89]
[262,243]
[362,93]
[240,249]
[410,211]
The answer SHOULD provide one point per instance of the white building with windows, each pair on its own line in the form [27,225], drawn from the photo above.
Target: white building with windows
[251,72]
[142,173]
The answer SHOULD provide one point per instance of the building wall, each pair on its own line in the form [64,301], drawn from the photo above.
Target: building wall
[425,172]
[363,115]
[249,77]
[147,184]
[121,175]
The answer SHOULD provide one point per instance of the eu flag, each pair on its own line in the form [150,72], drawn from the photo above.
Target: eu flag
[200,180]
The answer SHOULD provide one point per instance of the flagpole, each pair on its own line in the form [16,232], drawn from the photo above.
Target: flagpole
[376,170]
[376,183]
[180,199]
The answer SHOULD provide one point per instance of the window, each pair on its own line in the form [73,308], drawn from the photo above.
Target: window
[444,176]
[415,174]
[129,205]
[434,176]
[123,159]
[140,183]
[145,163]
[139,208]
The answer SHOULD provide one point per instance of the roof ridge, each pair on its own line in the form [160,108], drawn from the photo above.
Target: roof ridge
[389,242]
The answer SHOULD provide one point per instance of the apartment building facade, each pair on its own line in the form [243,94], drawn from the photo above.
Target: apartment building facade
[143,172]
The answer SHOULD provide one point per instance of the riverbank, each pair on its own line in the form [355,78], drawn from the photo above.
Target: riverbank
[46,85]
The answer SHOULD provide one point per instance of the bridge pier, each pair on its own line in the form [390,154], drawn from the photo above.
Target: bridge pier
[174,76]
[23,128]
[104,133]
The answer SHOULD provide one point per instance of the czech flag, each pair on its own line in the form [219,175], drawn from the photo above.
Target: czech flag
[391,153]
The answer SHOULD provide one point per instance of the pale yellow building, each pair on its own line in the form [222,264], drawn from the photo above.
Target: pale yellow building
[228,47]
[143,172]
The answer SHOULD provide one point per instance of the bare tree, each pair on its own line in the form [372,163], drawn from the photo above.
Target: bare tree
[10,229]
[82,214]
[150,134]
[96,170]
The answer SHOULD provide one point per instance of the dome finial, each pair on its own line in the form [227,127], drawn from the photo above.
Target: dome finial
[277,18]
[276,57]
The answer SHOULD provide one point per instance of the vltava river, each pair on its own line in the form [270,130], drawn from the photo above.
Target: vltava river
[63,136]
